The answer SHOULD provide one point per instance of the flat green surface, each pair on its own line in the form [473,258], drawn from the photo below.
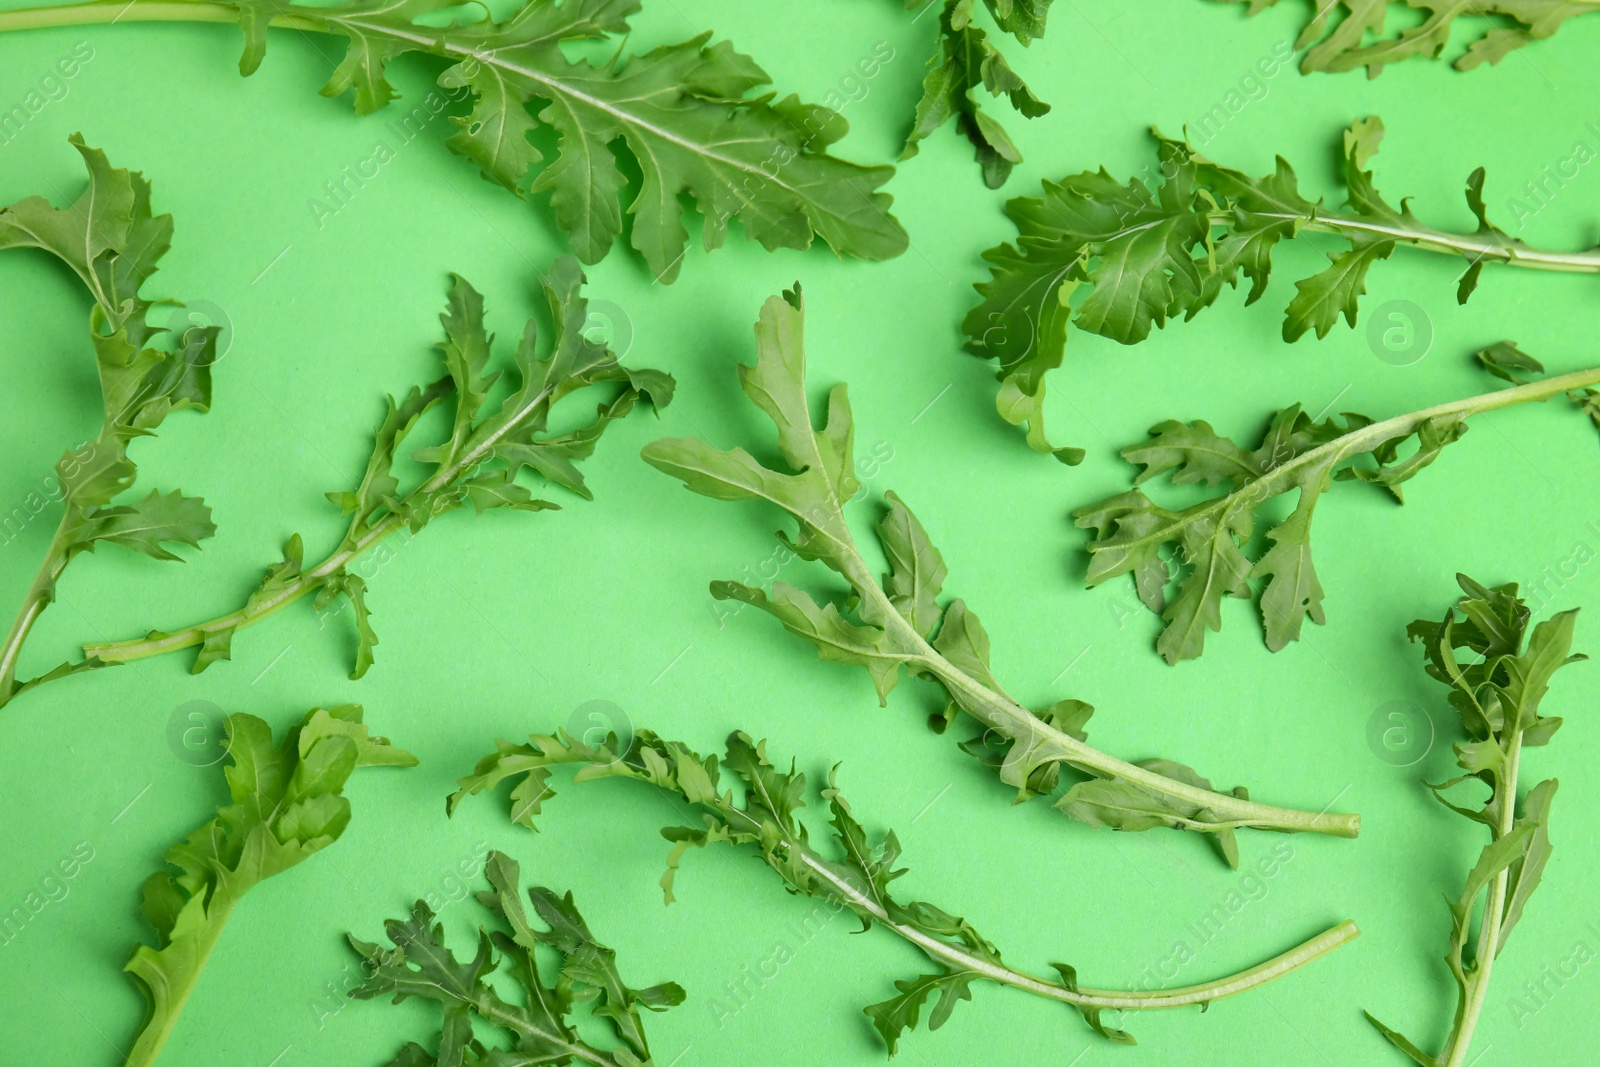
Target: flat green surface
[499,625]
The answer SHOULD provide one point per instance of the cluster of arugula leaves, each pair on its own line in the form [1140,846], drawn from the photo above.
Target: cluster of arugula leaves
[857,877]
[477,464]
[967,59]
[1204,547]
[110,239]
[540,1028]
[286,805]
[684,113]
[1497,695]
[1342,35]
[1144,254]
[900,625]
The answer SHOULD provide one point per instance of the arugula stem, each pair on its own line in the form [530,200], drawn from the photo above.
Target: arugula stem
[957,956]
[1280,478]
[104,11]
[1493,911]
[40,596]
[1137,999]
[171,1000]
[119,652]
[490,1010]
[1000,712]
[1516,254]
[349,550]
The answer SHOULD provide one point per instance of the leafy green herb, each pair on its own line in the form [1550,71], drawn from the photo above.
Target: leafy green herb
[682,111]
[540,1028]
[1204,547]
[1348,34]
[285,805]
[112,242]
[900,624]
[857,876]
[1147,253]
[1505,360]
[1497,695]
[476,465]
[967,59]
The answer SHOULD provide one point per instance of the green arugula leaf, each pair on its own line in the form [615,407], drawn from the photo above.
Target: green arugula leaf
[541,1028]
[965,60]
[1205,547]
[1146,254]
[1497,695]
[285,805]
[899,624]
[684,113]
[763,812]
[1349,34]
[110,239]
[477,464]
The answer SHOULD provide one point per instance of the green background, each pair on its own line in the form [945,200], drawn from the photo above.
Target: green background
[499,625]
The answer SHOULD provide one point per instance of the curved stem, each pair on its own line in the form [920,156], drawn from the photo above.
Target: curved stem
[1109,999]
[40,595]
[1001,713]
[348,552]
[1513,253]
[1280,478]
[118,652]
[168,1008]
[139,11]
[1493,914]
[957,956]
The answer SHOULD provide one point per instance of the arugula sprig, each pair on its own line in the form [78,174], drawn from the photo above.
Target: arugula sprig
[900,624]
[1342,35]
[966,59]
[1146,253]
[540,1028]
[286,804]
[683,112]
[1206,547]
[110,239]
[1497,695]
[477,464]
[857,876]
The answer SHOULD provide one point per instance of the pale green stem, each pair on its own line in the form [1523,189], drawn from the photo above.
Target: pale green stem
[40,595]
[310,580]
[959,959]
[170,1003]
[1493,914]
[1280,478]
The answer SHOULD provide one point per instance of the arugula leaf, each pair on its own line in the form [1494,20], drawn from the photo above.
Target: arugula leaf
[1205,547]
[857,876]
[1145,254]
[683,113]
[286,804]
[899,624]
[1505,360]
[541,1029]
[477,464]
[110,239]
[966,59]
[1497,696]
[1357,37]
